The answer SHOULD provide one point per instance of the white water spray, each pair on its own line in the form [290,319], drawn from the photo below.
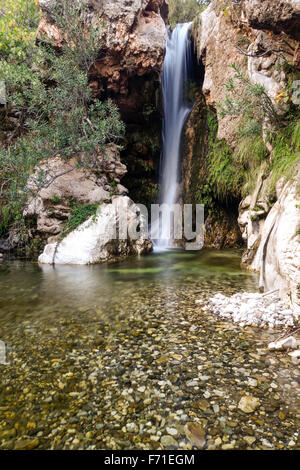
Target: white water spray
[176,73]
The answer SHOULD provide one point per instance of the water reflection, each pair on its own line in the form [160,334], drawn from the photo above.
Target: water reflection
[29,288]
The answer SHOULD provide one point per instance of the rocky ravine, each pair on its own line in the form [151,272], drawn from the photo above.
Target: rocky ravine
[270,230]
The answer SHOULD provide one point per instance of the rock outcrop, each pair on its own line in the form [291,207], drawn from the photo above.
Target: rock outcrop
[278,254]
[99,240]
[127,70]
[279,16]
[224,35]
[67,183]
[259,36]
[133,40]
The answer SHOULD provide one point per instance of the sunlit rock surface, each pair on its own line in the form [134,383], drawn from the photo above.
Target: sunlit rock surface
[96,241]
[282,15]
[278,255]
[251,35]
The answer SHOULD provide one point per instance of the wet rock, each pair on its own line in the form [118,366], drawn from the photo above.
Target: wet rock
[248,404]
[27,444]
[285,343]
[196,434]
[201,405]
[168,441]
[228,446]
[8,434]
[249,439]
[97,391]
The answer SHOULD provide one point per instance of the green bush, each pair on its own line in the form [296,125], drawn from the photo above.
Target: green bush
[286,157]
[18,22]
[184,11]
[78,215]
[56,114]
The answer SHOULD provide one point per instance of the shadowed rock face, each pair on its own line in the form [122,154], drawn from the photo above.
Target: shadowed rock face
[282,15]
[134,37]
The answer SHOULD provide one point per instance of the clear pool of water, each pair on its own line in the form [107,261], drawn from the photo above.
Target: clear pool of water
[120,356]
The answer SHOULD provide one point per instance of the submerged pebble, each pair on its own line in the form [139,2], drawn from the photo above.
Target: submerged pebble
[63,388]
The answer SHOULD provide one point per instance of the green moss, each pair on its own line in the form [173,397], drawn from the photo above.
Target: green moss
[78,215]
[224,174]
[55,200]
[286,158]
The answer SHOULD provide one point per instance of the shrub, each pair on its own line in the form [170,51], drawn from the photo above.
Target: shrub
[50,98]
[254,108]
[184,11]
[78,215]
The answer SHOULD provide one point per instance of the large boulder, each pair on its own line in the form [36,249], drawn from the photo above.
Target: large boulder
[278,254]
[97,240]
[66,183]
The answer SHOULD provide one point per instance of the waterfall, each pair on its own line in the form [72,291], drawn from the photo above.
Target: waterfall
[175,77]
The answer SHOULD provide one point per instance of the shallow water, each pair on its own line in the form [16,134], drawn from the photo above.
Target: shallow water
[121,357]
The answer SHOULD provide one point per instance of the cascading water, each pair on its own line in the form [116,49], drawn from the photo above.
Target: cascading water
[175,77]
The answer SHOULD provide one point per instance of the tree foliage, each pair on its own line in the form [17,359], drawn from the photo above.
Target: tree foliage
[184,11]
[18,22]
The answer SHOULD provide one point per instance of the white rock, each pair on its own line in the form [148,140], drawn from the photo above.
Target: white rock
[285,343]
[295,353]
[278,255]
[95,241]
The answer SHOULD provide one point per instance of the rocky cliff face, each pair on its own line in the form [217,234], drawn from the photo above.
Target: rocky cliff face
[221,227]
[278,254]
[281,16]
[133,45]
[224,35]
[127,70]
[258,36]
[133,38]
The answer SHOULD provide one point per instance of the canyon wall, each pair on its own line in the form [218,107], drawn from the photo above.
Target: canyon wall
[127,71]
[258,37]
